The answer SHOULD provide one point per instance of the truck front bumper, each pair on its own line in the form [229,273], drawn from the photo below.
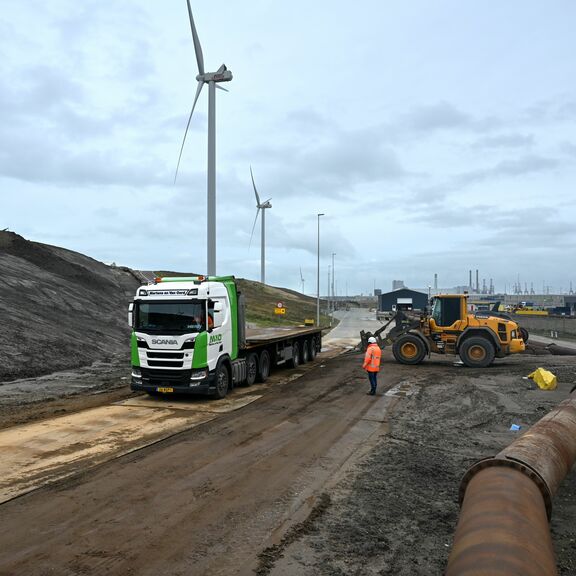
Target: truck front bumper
[172,381]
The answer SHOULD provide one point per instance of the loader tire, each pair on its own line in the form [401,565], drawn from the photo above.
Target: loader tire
[409,349]
[477,352]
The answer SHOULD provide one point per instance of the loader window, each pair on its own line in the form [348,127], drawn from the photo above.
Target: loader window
[446,311]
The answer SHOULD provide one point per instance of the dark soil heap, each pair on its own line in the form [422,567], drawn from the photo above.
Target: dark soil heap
[58,309]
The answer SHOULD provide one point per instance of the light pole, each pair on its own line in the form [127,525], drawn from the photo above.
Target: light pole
[333,295]
[329,306]
[318,276]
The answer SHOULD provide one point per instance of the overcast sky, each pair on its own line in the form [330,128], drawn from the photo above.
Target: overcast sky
[436,136]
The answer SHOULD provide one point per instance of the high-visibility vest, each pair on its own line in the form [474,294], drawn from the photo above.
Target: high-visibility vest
[372,358]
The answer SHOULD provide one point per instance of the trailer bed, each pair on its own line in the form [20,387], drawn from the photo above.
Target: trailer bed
[256,337]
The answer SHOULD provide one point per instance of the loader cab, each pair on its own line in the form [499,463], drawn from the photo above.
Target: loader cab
[446,310]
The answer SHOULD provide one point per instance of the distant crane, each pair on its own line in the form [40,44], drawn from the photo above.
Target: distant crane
[261,206]
[212,79]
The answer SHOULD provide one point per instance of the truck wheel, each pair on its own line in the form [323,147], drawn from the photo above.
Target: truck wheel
[477,352]
[305,351]
[524,334]
[409,349]
[222,379]
[295,360]
[264,366]
[251,369]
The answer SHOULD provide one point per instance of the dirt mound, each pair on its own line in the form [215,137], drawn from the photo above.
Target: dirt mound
[59,309]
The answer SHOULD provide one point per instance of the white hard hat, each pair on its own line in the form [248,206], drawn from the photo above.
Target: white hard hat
[371,340]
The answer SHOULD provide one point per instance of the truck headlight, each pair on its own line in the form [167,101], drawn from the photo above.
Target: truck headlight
[136,373]
[198,375]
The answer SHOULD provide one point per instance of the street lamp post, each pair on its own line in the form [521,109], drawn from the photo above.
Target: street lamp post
[333,295]
[329,301]
[318,276]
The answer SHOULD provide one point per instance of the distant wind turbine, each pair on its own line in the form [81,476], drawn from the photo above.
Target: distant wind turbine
[302,280]
[261,206]
[212,79]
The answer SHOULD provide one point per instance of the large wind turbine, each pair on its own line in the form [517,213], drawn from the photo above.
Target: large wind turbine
[261,206]
[212,79]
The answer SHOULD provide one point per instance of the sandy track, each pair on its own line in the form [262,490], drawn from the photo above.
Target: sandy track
[206,501]
[315,478]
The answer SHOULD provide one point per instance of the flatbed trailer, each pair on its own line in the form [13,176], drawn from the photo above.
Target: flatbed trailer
[189,337]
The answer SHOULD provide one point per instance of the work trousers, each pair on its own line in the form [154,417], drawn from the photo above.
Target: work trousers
[373,377]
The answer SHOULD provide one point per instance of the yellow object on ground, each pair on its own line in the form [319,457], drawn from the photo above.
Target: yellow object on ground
[545,379]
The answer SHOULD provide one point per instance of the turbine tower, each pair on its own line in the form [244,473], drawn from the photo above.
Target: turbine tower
[302,280]
[212,79]
[261,206]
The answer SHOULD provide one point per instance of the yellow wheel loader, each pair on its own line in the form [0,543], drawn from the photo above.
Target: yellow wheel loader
[449,328]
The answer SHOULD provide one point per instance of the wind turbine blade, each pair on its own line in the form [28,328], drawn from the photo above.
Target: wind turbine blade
[222,88]
[221,69]
[196,40]
[254,184]
[254,226]
[198,90]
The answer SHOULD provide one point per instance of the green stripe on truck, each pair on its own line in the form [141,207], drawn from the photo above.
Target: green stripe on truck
[200,358]
[134,350]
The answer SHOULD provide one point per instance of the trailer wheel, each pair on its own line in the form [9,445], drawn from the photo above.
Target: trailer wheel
[251,369]
[313,348]
[305,351]
[477,352]
[222,379]
[264,366]
[409,349]
[524,334]
[295,360]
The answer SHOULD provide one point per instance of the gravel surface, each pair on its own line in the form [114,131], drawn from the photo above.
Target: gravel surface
[397,512]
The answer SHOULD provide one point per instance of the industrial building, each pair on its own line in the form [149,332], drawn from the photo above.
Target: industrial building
[402,299]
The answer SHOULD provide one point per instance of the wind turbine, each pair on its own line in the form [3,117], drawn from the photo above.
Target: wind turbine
[302,280]
[261,206]
[212,79]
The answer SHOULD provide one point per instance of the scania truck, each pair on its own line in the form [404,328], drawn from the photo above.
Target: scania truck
[189,336]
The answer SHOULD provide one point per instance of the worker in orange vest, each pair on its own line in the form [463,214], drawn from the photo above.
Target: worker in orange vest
[372,363]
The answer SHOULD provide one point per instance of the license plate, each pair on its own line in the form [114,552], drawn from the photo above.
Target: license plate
[165,390]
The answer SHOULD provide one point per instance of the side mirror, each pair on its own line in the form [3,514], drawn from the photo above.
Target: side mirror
[131,314]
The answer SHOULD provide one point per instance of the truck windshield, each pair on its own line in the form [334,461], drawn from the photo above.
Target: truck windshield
[170,317]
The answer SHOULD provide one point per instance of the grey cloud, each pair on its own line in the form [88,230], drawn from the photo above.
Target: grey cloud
[436,117]
[332,165]
[43,161]
[529,164]
[505,141]
[307,119]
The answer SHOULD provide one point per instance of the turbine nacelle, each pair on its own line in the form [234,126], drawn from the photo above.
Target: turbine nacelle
[222,75]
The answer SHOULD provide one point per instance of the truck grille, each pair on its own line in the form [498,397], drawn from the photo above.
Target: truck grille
[165,359]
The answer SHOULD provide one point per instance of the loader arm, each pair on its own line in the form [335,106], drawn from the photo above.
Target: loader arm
[403,324]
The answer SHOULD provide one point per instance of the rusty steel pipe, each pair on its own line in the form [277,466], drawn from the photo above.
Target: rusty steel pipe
[506,501]
[503,528]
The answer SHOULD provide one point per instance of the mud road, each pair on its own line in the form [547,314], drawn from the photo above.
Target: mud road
[314,477]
